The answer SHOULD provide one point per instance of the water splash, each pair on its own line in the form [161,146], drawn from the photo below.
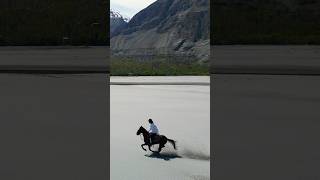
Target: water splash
[194,154]
[187,152]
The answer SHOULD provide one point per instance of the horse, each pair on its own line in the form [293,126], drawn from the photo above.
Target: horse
[162,140]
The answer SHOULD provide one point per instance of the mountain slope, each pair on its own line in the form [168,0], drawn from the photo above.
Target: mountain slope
[117,23]
[52,22]
[266,22]
[167,27]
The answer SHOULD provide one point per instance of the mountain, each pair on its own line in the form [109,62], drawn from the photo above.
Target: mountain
[166,27]
[266,22]
[117,23]
[52,22]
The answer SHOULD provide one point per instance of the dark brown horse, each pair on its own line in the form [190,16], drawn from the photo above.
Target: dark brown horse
[162,140]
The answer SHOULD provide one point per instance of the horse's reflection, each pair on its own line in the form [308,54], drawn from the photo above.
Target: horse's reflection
[164,156]
[161,141]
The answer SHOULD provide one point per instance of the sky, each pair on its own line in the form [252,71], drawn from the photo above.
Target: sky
[129,8]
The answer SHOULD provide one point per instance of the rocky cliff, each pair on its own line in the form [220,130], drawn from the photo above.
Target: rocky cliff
[52,22]
[266,22]
[117,23]
[166,27]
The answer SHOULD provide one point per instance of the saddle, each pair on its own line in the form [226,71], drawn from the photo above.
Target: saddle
[155,139]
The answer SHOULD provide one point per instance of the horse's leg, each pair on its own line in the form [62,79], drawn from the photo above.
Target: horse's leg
[162,144]
[160,147]
[152,150]
[143,147]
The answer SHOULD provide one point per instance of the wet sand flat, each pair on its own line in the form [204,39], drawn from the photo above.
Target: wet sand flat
[265,126]
[63,58]
[265,59]
[181,113]
[53,126]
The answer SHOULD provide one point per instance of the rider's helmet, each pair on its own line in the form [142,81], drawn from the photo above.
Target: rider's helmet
[150,121]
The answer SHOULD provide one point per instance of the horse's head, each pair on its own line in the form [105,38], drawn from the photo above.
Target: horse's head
[140,130]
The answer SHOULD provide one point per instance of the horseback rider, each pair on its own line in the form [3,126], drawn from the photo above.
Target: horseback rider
[153,131]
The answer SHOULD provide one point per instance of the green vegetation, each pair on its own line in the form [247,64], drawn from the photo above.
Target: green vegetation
[54,22]
[266,22]
[157,66]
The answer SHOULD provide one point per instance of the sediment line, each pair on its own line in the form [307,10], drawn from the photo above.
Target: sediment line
[162,83]
[52,69]
[266,70]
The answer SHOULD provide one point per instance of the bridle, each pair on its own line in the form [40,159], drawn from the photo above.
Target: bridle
[141,137]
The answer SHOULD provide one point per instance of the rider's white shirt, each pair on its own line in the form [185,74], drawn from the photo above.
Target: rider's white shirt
[153,129]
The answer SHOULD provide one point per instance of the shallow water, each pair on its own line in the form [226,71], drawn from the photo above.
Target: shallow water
[181,112]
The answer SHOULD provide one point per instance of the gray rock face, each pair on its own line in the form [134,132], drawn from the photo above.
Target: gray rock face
[166,27]
[117,23]
[266,22]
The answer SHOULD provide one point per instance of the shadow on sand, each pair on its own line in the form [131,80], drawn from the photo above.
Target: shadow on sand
[164,156]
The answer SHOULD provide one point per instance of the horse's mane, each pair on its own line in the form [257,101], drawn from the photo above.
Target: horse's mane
[144,129]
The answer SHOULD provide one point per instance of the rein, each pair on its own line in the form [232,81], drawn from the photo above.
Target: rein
[141,137]
[143,133]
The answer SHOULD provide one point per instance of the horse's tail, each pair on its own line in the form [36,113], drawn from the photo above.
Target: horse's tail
[173,143]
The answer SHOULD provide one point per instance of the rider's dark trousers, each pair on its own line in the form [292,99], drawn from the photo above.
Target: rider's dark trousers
[152,136]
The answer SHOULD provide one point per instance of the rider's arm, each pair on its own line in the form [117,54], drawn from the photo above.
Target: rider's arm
[151,129]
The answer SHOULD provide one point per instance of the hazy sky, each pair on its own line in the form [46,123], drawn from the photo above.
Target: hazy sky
[129,8]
